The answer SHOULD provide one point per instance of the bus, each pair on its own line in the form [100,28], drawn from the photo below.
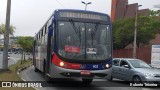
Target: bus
[74,44]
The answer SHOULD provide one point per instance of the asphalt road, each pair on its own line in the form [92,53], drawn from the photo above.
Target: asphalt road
[13,59]
[97,84]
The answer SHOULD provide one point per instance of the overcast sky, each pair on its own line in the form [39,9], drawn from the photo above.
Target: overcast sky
[28,16]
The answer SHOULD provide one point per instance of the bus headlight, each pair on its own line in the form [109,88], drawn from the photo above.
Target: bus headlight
[61,64]
[108,66]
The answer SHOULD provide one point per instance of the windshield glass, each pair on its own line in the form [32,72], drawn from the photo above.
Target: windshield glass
[84,41]
[139,64]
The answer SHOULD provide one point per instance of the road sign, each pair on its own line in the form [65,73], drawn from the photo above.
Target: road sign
[155,56]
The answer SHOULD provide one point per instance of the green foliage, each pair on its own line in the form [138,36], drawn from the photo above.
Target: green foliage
[147,29]
[26,43]
[2,29]
[123,31]
[154,13]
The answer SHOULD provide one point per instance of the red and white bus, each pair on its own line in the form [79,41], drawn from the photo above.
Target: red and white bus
[74,44]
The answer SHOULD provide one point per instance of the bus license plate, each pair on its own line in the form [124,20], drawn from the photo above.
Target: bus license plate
[85,73]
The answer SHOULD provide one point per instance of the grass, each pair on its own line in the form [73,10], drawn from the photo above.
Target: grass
[11,74]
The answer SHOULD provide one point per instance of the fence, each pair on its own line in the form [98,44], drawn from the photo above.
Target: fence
[141,53]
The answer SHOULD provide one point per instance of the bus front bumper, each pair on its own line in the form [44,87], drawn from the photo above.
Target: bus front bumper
[58,72]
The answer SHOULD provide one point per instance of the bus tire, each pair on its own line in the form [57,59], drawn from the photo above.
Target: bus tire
[46,77]
[87,80]
[44,67]
[35,69]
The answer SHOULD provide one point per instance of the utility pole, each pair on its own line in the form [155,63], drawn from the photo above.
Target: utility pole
[6,36]
[135,33]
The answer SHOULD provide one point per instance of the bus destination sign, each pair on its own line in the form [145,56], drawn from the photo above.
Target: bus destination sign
[83,15]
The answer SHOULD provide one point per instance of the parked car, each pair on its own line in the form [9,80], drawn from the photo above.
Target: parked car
[135,70]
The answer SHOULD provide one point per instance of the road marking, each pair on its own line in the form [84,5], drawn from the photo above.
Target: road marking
[23,79]
[27,78]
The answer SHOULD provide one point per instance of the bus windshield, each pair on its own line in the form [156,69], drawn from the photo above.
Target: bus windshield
[84,41]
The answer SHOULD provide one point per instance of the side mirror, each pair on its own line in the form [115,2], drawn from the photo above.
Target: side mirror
[149,64]
[126,66]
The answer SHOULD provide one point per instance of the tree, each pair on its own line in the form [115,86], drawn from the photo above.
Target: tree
[147,29]
[2,29]
[154,13]
[123,31]
[26,42]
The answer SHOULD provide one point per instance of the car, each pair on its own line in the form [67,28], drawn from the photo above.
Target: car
[9,53]
[135,70]
[8,57]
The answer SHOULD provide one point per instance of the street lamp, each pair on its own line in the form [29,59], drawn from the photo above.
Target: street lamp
[135,33]
[86,4]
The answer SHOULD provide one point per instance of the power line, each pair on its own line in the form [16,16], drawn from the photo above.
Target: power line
[61,4]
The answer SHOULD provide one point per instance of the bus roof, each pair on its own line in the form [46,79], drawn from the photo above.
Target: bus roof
[75,10]
[73,13]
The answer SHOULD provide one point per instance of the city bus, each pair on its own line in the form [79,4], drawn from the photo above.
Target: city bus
[74,44]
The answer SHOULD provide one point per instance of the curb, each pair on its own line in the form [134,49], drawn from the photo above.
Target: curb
[20,70]
[23,68]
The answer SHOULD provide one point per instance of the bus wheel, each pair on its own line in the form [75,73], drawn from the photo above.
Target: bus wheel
[47,78]
[35,69]
[86,80]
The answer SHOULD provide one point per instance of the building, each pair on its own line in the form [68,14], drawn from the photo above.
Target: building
[121,9]
[118,9]
[12,46]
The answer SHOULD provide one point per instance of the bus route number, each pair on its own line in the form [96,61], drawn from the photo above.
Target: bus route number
[95,66]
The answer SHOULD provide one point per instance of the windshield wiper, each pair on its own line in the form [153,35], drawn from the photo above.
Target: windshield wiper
[77,31]
[94,31]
